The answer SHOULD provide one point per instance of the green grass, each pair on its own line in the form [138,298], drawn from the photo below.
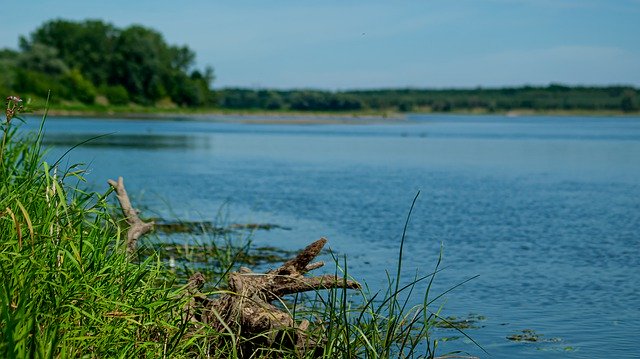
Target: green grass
[69,289]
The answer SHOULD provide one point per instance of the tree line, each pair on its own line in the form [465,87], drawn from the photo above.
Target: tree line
[94,62]
[541,98]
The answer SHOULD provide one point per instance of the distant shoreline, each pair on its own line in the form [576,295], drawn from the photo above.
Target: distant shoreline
[298,117]
[255,117]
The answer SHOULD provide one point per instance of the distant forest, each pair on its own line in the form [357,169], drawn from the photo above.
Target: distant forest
[96,64]
[550,98]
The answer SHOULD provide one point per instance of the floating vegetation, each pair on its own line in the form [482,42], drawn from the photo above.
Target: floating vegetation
[530,336]
[525,335]
[471,321]
[208,227]
[266,254]
[203,253]
[193,227]
[258,226]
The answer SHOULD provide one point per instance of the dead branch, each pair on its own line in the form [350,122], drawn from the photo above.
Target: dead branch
[137,227]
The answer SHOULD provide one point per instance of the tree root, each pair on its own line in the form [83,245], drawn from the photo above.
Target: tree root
[247,310]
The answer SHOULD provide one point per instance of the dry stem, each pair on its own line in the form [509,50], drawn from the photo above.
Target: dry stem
[137,227]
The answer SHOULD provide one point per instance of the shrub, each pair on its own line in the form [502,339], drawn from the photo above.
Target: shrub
[117,95]
[79,87]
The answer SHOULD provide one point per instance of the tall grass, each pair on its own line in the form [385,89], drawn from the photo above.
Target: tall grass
[66,286]
[390,323]
[69,289]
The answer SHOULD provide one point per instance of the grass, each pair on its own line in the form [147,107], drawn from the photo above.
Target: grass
[69,289]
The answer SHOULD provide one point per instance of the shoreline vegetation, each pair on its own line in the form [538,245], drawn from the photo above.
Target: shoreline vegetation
[288,116]
[328,115]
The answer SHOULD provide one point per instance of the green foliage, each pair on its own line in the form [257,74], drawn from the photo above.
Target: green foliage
[92,54]
[554,97]
[39,83]
[299,100]
[66,289]
[322,101]
[42,58]
[88,45]
[80,88]
[138,63]
[8,65]
[629,102]
[117,95]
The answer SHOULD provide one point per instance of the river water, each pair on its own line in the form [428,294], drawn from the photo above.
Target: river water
[546,210]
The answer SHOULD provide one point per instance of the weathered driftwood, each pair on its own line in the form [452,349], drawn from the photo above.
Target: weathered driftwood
[137,227]
[247,308]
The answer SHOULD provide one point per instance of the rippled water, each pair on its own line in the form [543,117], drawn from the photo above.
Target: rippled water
[546,210]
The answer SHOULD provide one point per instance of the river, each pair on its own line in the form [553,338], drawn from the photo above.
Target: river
[546,210]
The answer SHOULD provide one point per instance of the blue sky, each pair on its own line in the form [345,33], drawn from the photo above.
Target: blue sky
[373,44]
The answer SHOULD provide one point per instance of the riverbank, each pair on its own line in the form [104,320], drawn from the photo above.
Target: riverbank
[254,117]
[280,116]
[292,117]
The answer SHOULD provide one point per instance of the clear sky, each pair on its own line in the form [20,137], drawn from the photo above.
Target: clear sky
[372,44]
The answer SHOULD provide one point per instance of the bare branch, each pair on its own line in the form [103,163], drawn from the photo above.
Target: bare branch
[300,262]
[137,227]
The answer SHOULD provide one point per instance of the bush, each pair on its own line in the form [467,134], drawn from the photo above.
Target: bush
[117,95]
[39,84]
[79,87]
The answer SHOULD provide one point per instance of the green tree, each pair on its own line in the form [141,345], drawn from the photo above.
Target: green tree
[138,64]
[136,58]
[80,88]
[87,45]
[117,95]
[628,102]
[39,84]
[8,65]
[42,58]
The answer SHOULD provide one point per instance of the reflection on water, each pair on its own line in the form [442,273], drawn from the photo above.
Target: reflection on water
[546,210]
[114,140]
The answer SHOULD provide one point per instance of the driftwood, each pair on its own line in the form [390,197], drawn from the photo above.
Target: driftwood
[247,309]
[137,227]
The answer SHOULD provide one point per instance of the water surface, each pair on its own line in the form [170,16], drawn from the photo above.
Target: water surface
[545,209]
